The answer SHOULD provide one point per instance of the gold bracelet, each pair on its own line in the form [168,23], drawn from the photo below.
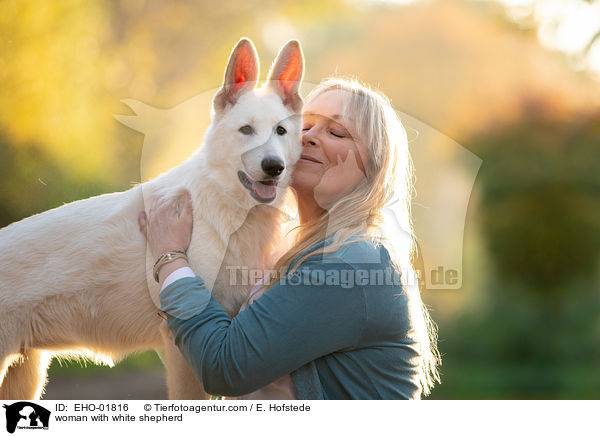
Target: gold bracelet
[166,258]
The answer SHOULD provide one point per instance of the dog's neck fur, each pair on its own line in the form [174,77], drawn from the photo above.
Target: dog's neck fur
[226,210]
[220,205]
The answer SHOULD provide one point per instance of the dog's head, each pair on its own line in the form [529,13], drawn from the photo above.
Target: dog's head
[255,133]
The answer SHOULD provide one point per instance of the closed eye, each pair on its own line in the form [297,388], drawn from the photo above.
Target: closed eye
[246,130]
[336,135]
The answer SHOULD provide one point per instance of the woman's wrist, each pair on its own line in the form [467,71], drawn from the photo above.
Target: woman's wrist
[168,268]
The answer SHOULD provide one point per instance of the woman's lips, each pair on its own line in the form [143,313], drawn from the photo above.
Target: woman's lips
[307,158]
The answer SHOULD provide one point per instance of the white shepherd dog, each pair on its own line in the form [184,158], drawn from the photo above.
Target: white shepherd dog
[77,280]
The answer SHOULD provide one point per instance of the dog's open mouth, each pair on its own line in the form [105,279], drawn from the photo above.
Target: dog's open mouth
[263,191]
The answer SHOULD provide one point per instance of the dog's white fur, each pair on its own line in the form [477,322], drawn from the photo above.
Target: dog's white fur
[77,279]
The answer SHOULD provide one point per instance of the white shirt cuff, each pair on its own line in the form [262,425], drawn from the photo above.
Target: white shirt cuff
[179,273]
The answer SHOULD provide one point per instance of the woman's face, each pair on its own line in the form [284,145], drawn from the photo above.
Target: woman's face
[332,158]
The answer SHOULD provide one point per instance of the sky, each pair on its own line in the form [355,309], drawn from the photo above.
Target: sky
[563,25]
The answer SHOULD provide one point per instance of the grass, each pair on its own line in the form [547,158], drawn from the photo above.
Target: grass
[145,361]
[517,382]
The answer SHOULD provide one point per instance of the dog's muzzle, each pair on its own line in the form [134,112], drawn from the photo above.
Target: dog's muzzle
[263,191]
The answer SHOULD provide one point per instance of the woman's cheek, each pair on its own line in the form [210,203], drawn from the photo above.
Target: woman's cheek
[329,188]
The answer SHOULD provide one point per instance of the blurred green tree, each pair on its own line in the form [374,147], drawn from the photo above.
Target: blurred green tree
[537,335]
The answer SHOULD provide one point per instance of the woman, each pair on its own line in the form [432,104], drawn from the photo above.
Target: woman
[345,318]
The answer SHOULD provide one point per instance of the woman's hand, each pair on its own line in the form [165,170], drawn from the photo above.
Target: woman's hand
[168,224]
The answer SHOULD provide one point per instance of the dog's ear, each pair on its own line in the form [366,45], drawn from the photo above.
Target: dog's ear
[286,74]
[241,74]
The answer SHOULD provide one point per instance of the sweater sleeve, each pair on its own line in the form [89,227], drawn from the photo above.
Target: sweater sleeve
[303,317]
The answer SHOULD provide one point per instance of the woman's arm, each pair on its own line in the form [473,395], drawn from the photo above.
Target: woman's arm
[289,326]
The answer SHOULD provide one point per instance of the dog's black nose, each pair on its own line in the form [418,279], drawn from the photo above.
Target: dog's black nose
[272,166]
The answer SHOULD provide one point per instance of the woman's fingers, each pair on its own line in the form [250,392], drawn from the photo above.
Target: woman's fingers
[186,211]
[143,222]
[168,223]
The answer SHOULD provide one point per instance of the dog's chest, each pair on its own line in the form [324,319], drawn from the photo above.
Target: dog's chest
[231,272]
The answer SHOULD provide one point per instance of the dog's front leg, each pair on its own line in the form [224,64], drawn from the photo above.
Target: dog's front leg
[182,384]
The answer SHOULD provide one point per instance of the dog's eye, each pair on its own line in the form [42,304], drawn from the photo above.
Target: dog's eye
[246,130]
[280,131]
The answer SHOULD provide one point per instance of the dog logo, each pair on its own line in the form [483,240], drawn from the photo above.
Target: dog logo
[26,415]
[446,173]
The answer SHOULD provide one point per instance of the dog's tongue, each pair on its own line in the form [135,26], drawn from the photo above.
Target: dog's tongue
[264,191]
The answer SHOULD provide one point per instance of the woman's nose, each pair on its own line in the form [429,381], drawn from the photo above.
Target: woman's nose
[309,138]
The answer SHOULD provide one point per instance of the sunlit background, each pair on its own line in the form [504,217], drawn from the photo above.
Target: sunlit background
[514,82]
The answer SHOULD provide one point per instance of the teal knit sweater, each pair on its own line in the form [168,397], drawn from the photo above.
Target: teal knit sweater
[340,325]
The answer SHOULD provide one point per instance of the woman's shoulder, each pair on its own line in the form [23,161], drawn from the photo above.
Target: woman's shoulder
[359,251]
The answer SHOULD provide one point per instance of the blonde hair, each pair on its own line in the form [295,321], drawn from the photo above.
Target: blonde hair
[389,171]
